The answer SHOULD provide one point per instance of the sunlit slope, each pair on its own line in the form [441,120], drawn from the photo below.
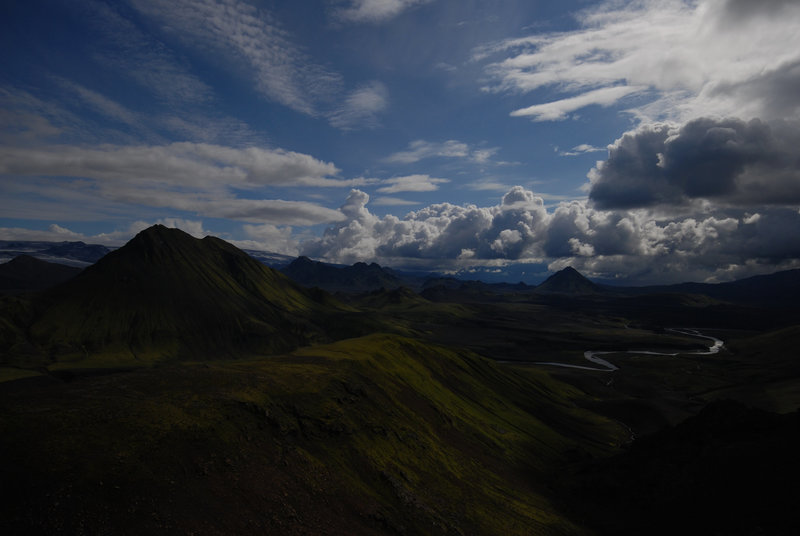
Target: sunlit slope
[167,294]
[376,435]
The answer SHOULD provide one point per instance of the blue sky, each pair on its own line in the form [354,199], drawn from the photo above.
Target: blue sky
[639,141]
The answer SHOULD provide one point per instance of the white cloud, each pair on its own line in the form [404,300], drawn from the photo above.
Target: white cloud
[488,185]
[441,231]
[182,163]
[101,103]
[422,149]
[361,108]
[268,237]
[637,246]
[375,10]
[143,58]
[560,109]
[583,148]
[694,57]
[239,31]
[386,201]
[412,183]
[199,178]
[58,233]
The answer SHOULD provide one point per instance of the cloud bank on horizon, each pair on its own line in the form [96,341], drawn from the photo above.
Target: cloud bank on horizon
[485,120]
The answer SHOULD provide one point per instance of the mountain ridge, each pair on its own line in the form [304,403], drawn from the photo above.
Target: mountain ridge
[168,293]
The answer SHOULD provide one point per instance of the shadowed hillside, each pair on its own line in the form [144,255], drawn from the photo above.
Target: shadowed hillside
[567,281]
[376,435]
[26,273]
[360,277]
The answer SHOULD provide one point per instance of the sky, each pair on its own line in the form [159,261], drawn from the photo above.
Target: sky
[638,141]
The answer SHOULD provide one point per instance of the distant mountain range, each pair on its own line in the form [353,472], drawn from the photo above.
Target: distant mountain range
[360,277]
[69,253]
[781,288]
[772,289]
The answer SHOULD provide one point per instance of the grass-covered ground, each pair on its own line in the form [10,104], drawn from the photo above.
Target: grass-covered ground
[375,435]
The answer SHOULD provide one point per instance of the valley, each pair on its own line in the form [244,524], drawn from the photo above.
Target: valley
[178,386]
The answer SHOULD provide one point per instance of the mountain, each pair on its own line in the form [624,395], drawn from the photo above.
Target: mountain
[77,250]
[70,253]
[391,298]
[26,273]
[567,281]
[360,277]
[777,289]
[166,293]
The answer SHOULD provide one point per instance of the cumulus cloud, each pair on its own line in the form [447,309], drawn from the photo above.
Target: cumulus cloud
[374,10]
[684,60]
[634,246]
[725,160]
[268,237]
[441,231]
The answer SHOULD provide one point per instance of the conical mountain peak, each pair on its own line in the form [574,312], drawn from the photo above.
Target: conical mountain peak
[567,281]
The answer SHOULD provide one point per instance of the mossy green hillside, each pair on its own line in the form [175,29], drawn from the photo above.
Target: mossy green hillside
[375,435]
[166,294]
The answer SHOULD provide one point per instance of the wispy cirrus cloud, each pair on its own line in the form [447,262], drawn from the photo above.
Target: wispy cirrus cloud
[374,10]
[197,164]
[583,148]
[388,201]
[198,178]
[412,183]
[239,31]
[145,59]
[361,108]
[422,149]
[684,59]
[561,109]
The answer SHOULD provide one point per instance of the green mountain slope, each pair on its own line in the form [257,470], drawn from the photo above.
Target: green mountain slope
[166,294]
[375,435]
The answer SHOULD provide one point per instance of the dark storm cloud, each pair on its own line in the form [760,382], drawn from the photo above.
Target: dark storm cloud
[727,160]
[774,92]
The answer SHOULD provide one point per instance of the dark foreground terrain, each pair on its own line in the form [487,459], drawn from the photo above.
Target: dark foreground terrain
[178,386]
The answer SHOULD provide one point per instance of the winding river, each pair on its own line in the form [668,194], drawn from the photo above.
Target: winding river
[607,366]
